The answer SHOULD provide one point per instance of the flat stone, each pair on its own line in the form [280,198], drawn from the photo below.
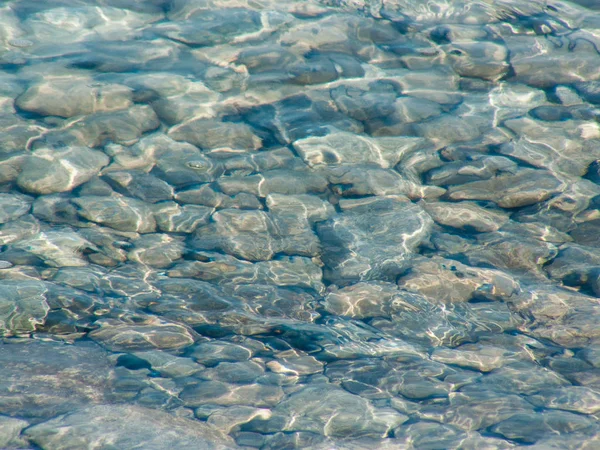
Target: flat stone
[279,181]
[475,168]
[589,90]
[529,428]
[243,372]
[26,226]
[430,435]
[82,278]
[573,264]
[24,306]
[224,269]
[518,378]
[123,127]
[41,379]
[10,432]
[120,213]
[141,185]
[169,365]
[183,164]
[58,170]
[372,180]
[466,216]
[526,187]
[514,100]
[256,235]
[363,300]
[367,102]
[215,352]
[13,206]
[448,281]
[11,166]
[348,148]
[483,59]
[172,218]
[375,240]
[56,208]
[225,394]
[60,248]
[209,134]
[558,148]
[68,97]
[533,56]
[153,334]
[212,27]
[331,411]
[290,362]
[125,426]
[579,399]
[310,207]
[233,418]
[478,410]
[298,116]
[448,129]
[482,358]
[157,250]
[561,315]
[262,161]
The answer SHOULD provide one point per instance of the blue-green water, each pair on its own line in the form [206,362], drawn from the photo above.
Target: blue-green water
[303,224]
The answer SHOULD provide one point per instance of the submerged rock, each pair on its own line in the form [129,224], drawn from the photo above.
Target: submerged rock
[42,379]
[210,134]
[374,240]
[125,426]
[13,206]
[449,281]
[225,269]
[24,306]
[150,334]
[526,187]
[256,235]
[49,170]
[68,97]
[120,213]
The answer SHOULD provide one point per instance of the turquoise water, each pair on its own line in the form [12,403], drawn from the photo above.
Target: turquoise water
[303,224]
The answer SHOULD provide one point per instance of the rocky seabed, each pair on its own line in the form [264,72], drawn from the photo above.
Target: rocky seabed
[335,224]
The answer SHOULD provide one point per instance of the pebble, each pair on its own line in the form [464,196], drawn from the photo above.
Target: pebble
[13,206]
[124,426]
[43,379]
[256,235]
[48,171]
[24,306]
[210,134]
[466,216]
[69,97]
[358,247]
[479,410]
[124,127]
[527,187]
[157,250]
[170,217]
[146,187]
[348,148]
[57,248]
[529,428]
[120,213]
[225,394]
[153,334]
[222,269]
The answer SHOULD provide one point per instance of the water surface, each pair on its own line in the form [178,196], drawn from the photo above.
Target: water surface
[302,224]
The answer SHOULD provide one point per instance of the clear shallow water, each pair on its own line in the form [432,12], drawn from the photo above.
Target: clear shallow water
[350,225]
